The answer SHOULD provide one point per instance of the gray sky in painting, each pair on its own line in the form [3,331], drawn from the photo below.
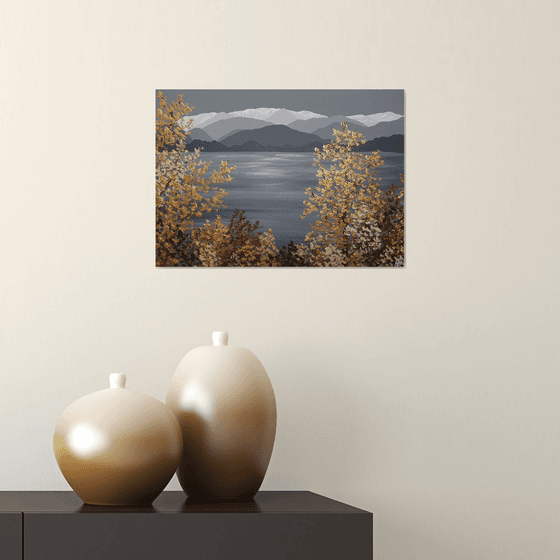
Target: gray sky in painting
[326,101]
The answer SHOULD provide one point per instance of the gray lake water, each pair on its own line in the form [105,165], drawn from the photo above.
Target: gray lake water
[270,187]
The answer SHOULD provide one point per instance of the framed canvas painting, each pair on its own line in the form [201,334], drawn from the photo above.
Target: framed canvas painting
[280,178]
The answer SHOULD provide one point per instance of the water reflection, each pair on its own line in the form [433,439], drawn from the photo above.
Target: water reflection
[271,189]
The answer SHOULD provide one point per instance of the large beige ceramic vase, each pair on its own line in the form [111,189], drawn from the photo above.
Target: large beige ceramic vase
[225,405]
[118,447]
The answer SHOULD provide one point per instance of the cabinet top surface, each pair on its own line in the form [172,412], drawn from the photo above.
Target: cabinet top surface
[176,502]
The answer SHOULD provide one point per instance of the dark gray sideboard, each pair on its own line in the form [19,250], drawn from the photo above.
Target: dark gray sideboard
[290,525]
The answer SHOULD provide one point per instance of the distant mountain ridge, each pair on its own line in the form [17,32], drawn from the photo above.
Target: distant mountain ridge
[372,120]
[279,138]
[276,116]
[393,143]
[369,133]
[271,115]
[265,129]
[252,146]
[198,134]
[278,135]
[304,121]
[223,127]
[312,125]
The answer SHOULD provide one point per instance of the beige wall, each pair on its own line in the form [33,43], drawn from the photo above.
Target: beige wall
[426,395]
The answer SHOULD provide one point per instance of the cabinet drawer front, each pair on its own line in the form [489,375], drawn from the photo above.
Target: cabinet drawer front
[11,527]
[160,536]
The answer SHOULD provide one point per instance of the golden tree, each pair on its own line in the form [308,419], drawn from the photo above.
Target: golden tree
[359,223]
[237,243]
[378,237]
[184,193]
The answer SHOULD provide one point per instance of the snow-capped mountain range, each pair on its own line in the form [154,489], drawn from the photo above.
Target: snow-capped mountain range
[265,114]
[282,127]
[285,116]
[376,118]
[262,114]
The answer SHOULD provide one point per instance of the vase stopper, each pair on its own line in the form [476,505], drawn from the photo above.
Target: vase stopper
[117,380]
[220,338]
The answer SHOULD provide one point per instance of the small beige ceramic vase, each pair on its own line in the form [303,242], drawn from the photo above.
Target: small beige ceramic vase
[225,404]
[118,447]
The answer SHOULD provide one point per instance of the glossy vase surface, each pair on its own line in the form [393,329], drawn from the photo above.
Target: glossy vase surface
[225,405]
[117,446]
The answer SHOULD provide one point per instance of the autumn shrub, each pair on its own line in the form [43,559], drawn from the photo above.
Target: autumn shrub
[235,243]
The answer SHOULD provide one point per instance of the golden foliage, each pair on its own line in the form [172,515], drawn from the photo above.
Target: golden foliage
[359,223]
[236,244]
[183,191]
